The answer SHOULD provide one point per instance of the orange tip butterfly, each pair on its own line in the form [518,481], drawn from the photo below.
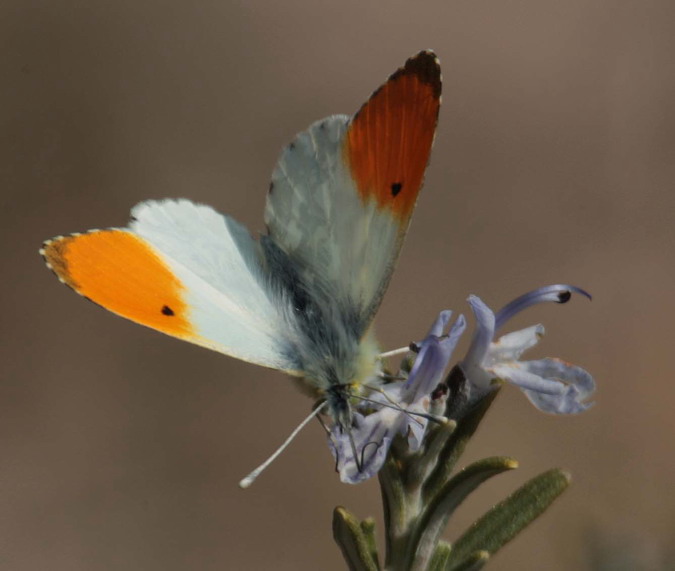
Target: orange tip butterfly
[302,297]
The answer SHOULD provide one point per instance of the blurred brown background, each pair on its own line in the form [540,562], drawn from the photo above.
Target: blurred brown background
[121,448]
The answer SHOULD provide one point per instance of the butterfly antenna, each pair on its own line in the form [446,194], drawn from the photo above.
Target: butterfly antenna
[385,395]
[395,405]
[323,425]
[248,480]
[413,347]
[430,417]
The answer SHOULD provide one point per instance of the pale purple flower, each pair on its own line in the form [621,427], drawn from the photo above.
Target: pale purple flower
[401,407]
[552,385]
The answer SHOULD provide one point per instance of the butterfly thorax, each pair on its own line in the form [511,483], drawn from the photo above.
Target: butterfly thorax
[331,344]
[340,370]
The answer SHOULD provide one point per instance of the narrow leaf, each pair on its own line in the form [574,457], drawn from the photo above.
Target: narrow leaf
[504,521]
[440,558]
[368,528]
[356,547]
[474,562]
[441,507]
[393,505]
[422,465]
[453,449]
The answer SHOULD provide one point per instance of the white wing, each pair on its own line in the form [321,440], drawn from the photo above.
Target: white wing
[341,245]
[232,304]
[343,192]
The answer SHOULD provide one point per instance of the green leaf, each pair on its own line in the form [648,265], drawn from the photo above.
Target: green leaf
[466,426]
[504,521]
[356,540]
[393,506]
[474,562]
[421,465]
[442,506]
[440,558]
[368,528]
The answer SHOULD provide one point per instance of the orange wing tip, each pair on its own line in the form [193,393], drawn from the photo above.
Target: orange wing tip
[53,254]
[388,141]
[120,271]
[426,67]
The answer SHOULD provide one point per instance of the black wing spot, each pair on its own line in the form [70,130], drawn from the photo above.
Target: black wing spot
[271,188]
[396,187]
[166,310]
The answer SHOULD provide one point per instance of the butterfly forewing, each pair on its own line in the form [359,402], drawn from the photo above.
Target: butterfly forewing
[343,192]
[185,270]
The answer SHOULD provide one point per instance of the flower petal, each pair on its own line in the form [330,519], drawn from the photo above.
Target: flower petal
[450,342]
[576,384]
[441,321]
[511,346]
[433,357]
[427,370]
[402,402]
[559,293]
[517,375]
[568,402]
[372,436]
[552,385]
[566,372]
[373,458]
[485,330]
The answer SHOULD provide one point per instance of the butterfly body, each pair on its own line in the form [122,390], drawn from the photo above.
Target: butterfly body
[302,298]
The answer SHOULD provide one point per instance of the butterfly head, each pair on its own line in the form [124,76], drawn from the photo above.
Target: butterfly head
[340,374]
[339,404]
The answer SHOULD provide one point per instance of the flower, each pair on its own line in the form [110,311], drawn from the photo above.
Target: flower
[401,407]
[552,385]
[405,407]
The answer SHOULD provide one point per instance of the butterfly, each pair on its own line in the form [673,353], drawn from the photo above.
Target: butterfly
[302,297]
